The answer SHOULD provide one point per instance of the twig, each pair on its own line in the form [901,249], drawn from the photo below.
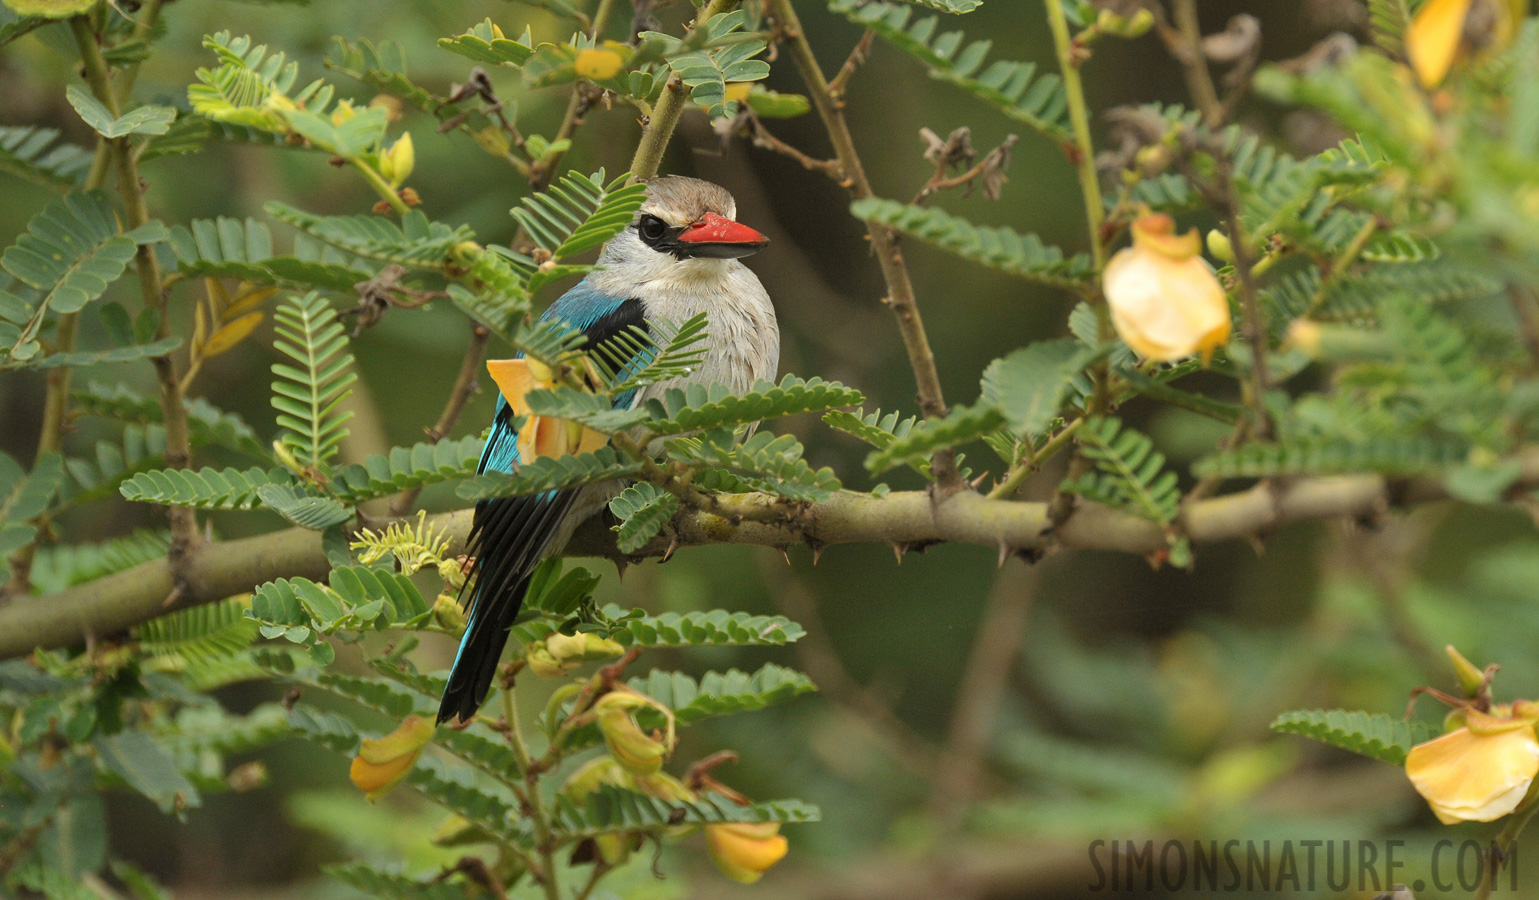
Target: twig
[1253,326]
[1033,461]
[1193,64]
[939,182]
[108,605]
[1340,264]
[900,290]
[997,641]
[666,112]
[466,383]
[531,795]
[760,137]
[836,88]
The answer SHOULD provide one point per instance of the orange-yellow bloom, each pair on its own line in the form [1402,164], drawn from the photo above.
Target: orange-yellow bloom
[1445,32]
[1477,773]
[540,436]
[382,762]
[1165,302]
[744,851]
[599,64]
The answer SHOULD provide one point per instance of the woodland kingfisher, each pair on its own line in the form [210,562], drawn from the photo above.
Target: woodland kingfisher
[677,258]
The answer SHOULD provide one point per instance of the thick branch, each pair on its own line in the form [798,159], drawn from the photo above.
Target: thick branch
[900,290]
[109,605]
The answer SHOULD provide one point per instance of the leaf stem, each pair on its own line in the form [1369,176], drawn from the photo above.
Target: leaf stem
[900,289]
[380,185]
[669,107]
[1033,461]
[1083,151]
[538,818]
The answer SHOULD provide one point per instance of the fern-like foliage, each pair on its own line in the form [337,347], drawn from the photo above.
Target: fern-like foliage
[230,248]
[722,693]
[643,509]
[415,243]
[244,87]
[309,398]
[200,634]
[713,628]
[575,214]
[485,43]
[303,506]
[37,155]
[60,566]
[1367,734]
[1401,456]
[610,809]
[355,597]
[767,462]
[1028,387]
[635,358]
[716,54]
[206,423]
[698,407]
[70,252]
[141,448]
[23,497]
[962,424]
[375,882]
[203,489]
[1129,475]
[998,248]
[1013,87]
[405,468]
[546,473]
[1388,20]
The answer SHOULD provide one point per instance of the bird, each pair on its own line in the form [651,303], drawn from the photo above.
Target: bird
[679,256]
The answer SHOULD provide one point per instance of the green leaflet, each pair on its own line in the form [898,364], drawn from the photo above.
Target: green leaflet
[643,509]
[35,154]
[482,44]
[612,809]
[1377,736]
[767,462]
[877,430]
[578,213]
[149,120]
[1028,386]
[416,242]
[206,488]
[405,468]
[1009,251]
[1013,87]
[545,473]
[230,248]
[200,634]
[963,424]
[1129,475]
[697,407]
[309,398]
[715,55]
[1334,455]
[302,507]
[59,566]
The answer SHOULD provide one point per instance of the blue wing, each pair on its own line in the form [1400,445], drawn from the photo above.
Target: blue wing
[510,535]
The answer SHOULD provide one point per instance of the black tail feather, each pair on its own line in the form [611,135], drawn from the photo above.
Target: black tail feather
[476,665]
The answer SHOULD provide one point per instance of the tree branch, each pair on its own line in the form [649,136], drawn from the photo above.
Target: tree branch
[900,290]
[109,605]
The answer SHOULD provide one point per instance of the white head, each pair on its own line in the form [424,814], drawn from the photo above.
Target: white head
[686,231]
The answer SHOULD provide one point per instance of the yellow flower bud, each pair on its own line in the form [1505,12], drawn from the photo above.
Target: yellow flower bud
[599,64]
[1219,246]
[1165,301]
[738,91]
[743,851]
[493,140]
[1444,33]
[390,103]
[382,762]
[595,773]
[448,614]
[343,111]
[583,647]
[1133,26]
[1477,773]
[637,752]
[542,662]
[397,162]
[1470,678]
[452,571]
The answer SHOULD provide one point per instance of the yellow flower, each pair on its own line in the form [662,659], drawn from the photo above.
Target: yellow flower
[1445,32]
[743,851]
[343,111]
[599,64]
[561,653]
[1165,301]
[397,162]
[637,752]
[739,91]
[540,436]
[382,762]
[1477,773]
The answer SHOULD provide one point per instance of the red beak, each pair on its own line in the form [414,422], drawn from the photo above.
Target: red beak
[719,237]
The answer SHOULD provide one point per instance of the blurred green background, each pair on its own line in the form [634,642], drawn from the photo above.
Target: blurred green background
[1110,701]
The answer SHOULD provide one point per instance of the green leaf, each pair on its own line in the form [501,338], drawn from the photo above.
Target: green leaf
[956,7]
[60,566]
[356,597]
[143,120]
[33,154]
[722,693]
[415,243]
[1028,386]
[546,473]
[767,462]
[142,448]
[482,44]
[1388,20]
[698,407]
[406,468]
[206,423]
[877,430]
[714,628]
[245,88]
[200,634]
[1129,475]
[578,213]
[147,768]
[1009,251]
[95,357]
[24,496]
[230,248]
[1012,87]
[643,509]
[71,251]
[715,55]
[356,136]
[1377,736]
[309,399]
[610,809]
[301,507]
[963,424]
[206,488]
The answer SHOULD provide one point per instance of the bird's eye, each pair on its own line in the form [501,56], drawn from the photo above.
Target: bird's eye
[651,229]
